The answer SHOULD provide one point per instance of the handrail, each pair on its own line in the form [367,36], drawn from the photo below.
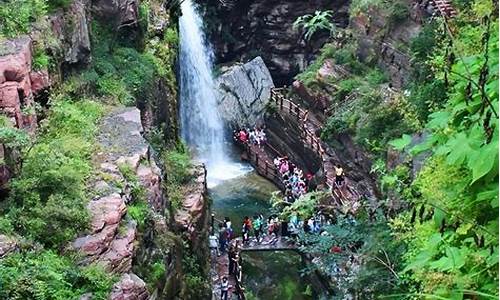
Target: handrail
[310,138]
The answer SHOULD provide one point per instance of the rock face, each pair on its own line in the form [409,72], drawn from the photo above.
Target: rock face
[112,237]
[121,12]
[7,245]
[377,37]
[244,92]
[16,95]
[191,217]
[71,28]
[242,29]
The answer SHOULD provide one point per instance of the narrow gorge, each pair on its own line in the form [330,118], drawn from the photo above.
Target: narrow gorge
[235,149]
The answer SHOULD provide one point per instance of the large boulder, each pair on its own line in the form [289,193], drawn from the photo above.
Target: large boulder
[244,92]
[130,287]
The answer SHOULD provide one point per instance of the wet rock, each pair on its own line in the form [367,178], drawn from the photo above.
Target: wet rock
[130,287]
[244,92]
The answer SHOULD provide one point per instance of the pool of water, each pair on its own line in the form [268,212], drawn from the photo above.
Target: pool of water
[272,275]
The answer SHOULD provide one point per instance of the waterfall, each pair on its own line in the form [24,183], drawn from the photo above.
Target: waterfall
[202,127]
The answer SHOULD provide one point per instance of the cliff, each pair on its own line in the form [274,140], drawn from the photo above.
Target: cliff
[241,30]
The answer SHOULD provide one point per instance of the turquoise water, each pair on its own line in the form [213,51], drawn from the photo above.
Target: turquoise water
[267,275]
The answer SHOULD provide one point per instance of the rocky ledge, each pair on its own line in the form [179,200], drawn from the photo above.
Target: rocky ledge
[111,238]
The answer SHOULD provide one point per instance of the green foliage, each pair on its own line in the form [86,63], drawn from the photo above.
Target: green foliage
[334,126]
[47,201]
[304,207]
[321,20]
[16,16]
[384,123]
[177,164]
[40,59]
[45,275]
[196,284]
[370,241]
[308,77]
[453,250]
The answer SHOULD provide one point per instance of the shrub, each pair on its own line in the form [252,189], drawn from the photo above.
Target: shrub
[40,59]
[376,76]
[178,164]
[47,201]
[321,20]
[382,124]
[45,275]
[335,125]
[16,16]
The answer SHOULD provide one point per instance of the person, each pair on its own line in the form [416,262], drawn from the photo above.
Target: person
[257,226]
[224,288]
[253,137]
[222,238]
[247,225]
[229,229]
[214,244]
[243,136]
[339,175]
[284,167]
[231,254]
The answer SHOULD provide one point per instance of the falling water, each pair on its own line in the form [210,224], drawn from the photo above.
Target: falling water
[201,125]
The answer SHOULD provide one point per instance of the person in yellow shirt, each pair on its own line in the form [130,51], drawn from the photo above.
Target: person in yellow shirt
[339,175]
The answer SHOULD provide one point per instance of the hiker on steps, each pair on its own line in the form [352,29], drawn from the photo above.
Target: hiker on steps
[339,176]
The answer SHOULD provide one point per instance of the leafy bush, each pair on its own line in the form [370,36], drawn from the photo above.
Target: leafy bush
[47,201]
[376,76]
[334,126]
[178,164]
[40,59]
[46,276]
[383,123]
[321,20]
[16,16]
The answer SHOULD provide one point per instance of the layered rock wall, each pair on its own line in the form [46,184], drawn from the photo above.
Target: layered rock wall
[244,29]
[111,240]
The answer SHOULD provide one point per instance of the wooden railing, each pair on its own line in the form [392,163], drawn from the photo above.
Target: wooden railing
[444,8]
[262,164]
[287,106]
[313,142]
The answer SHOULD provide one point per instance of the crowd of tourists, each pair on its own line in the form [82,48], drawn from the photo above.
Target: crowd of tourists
[255,136]
[293,179]
[254,230]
